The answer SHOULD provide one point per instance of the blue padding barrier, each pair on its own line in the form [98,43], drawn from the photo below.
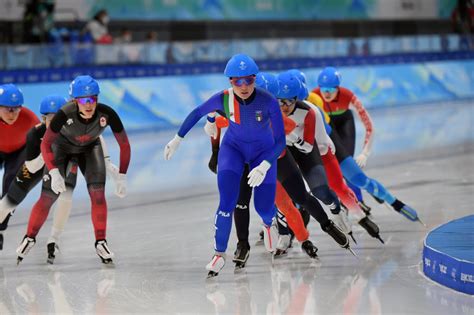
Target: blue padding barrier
[448,255]
[155,70]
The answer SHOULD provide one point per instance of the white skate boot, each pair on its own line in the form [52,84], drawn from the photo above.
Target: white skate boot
[270,237]
[215,265]
[102,249]
[24,248]
[283,245]
[343,222]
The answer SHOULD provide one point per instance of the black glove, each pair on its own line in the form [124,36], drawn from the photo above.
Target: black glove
[213,162]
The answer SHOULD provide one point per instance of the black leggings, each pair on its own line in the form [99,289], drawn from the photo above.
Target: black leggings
[11,163]
[242,212]
[291,179]
[26,181]
[341,151]
[312,169]
[345,127]
[90,160]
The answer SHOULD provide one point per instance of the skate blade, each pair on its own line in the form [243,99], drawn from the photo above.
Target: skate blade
[212,274]
[239,268]
[19,260]
[107,261]
[315,262]
[352,252]
[280,253]
[380,239]
[241,261]
[50,260]
[422,223]
[352,236]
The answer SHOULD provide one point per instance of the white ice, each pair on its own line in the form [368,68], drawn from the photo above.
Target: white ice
[163,238]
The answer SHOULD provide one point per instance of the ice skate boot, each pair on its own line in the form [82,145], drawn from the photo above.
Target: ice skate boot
[215,265]
[24,248]
[309,248]
[241,255]
[53,249]
[409,213]
[367,210]
[102,249]
[406,211]
[343,222]
[371,228]
[270,237]
[284,242]
[335,232]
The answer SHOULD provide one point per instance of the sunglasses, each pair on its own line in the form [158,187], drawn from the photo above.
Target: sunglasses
[11,109]
[286,102]
[243,80]
[86,100]
[328,89]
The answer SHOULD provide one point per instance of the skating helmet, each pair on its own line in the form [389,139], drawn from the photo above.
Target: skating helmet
[299,74]
[84,85]
[289,86]
[240,65]
[268,82]
[329,78]
[304,93]
[10,95]
[51,104]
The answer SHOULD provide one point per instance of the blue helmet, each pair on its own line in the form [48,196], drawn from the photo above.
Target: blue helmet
[240,65]
[84,85]
[51,104]
[304,93]
[289,86]
[329,78]
[297,73]
[10,95]
[268,82]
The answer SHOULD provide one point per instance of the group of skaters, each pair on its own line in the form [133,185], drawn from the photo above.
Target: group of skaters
[50,151]
[295,150]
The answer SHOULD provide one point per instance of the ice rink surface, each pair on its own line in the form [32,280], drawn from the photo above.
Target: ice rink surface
[162,242]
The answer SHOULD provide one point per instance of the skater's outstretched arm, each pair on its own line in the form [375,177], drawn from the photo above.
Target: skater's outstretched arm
[213,104]
[364,117]
[34,160]
[52,133]
[120,135]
